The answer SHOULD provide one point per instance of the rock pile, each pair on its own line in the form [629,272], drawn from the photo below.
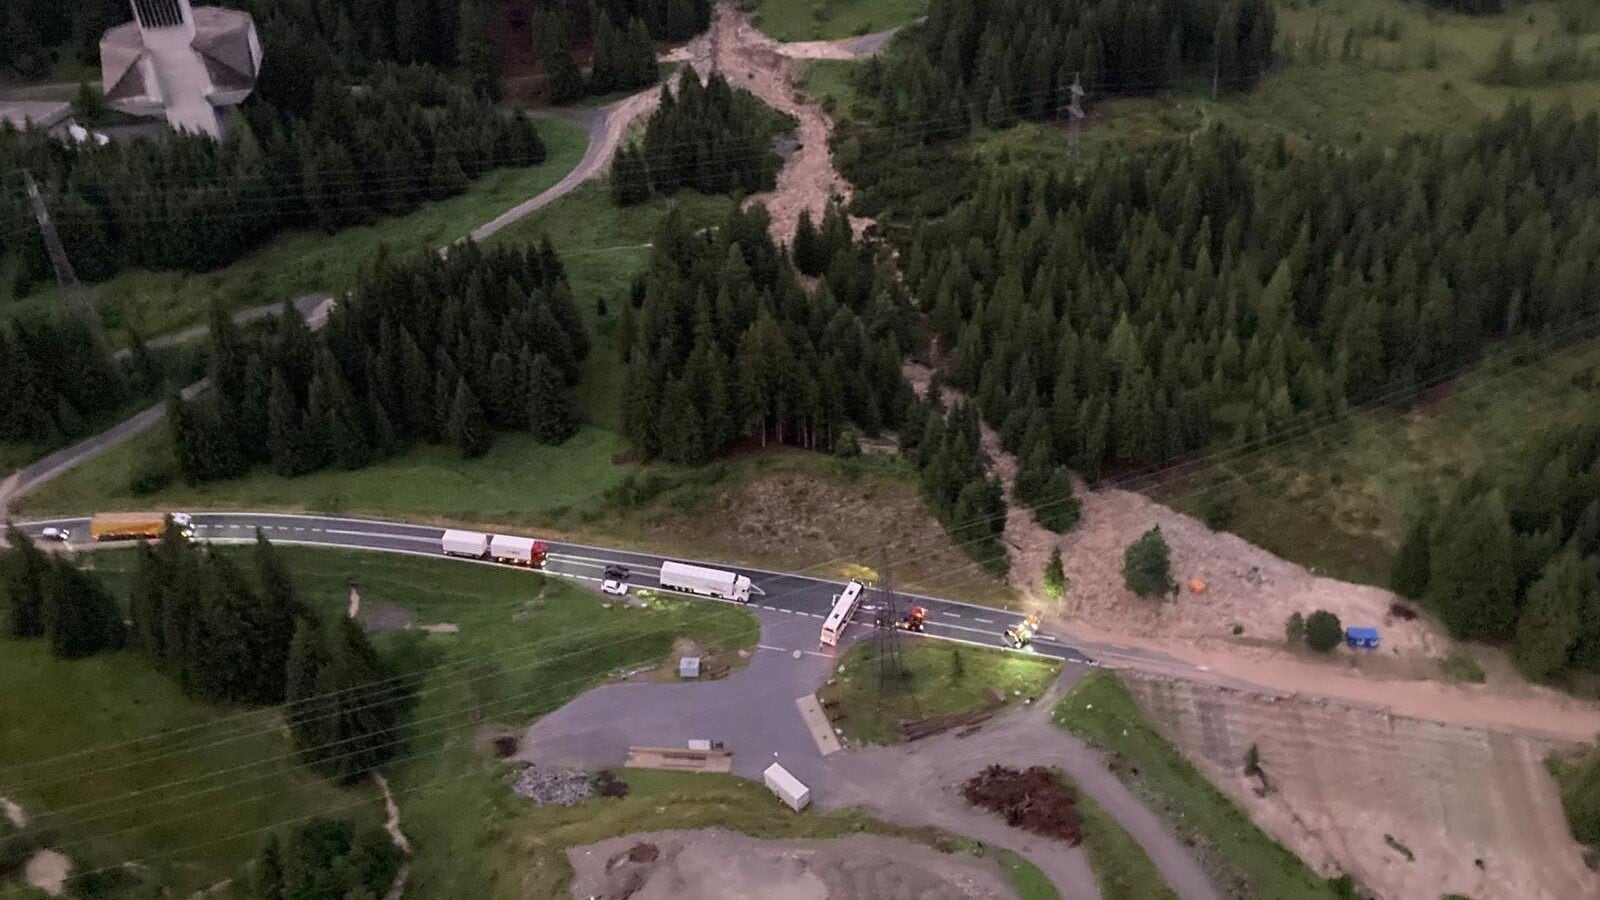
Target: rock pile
[549,784]
[1033,799]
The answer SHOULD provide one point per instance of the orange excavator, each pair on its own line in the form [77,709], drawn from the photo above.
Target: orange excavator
[915,617]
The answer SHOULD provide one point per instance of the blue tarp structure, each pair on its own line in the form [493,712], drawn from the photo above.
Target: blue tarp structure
[1361,637]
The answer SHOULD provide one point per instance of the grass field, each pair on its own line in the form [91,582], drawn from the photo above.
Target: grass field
[306,262]
[1031,883]
[525,646]
[51,709]
[1339,500]
[604,248]
[1243,859]
[1121,866]
[518,481]
[823,20]
[944,678]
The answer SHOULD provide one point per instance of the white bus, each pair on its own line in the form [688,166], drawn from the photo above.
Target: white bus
[844,606]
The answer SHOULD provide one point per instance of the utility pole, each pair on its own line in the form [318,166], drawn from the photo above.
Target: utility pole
[66,279]
[1075,114]
[892,674]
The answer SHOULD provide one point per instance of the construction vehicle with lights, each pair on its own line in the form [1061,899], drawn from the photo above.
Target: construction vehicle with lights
[914,619]
[1019,636]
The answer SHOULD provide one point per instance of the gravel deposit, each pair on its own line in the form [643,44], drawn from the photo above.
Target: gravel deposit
[550,784]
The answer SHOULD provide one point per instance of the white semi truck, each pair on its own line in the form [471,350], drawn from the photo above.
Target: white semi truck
[471,544]
[517,551]
[677,576]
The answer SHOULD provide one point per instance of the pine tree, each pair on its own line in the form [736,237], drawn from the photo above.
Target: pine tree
[1472,581]
[1552,613]
[468,429]
[1055,576]
[475,49]
[630,177]
[1147,565]
[280,610]
[564,79]
[24,568]
[267,878]
[809,256]
[551,413]
[81,618]
[306,691]
[1409,577]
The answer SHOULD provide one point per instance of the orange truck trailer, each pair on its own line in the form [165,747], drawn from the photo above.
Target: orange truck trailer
[138,525]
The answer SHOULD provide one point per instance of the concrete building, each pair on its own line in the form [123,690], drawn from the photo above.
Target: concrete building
[182,62]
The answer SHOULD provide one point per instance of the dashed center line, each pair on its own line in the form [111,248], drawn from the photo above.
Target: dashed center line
[984,621]
[951,615]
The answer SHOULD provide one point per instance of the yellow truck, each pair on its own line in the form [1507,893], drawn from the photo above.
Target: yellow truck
[134,526]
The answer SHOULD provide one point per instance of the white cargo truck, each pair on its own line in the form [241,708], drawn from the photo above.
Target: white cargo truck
[517,551]
[788,788]
[705,582]
[472,544]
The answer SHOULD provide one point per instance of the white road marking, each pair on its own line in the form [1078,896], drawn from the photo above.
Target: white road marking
[951,615]
[967,628]
[984,621]
[374,534]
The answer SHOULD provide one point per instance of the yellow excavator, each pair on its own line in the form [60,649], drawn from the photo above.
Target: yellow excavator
[1021,634]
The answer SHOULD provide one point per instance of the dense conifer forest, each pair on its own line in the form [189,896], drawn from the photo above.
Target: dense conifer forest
[709,137]
[723,343]
[1211,289]
[1514,555]
[425,349]
[190,204]
[1011,59]
[59,379]
[346,125]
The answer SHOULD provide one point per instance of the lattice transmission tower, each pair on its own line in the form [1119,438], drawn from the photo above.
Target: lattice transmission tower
[77,299]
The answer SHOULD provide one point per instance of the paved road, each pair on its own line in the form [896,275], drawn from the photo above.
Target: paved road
[606,126]
[782,593]
[313,308]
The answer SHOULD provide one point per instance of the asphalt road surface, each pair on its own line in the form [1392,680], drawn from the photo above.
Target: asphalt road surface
[775,592]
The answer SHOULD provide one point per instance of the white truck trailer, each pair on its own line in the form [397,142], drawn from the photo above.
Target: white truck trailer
[677,576]
[788,788]
[517,551]
[471,544]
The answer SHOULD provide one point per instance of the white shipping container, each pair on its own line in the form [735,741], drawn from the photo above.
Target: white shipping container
[788,788]
[465,543]
[677,576]
[506,548]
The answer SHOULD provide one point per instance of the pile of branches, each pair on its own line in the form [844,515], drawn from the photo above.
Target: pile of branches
[1033,799]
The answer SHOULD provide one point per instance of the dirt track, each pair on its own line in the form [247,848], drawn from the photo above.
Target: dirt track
[1343,777]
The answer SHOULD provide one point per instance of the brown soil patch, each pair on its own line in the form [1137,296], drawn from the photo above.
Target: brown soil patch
[714,864]
[1033,799]
[1351,785]
[830,527]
